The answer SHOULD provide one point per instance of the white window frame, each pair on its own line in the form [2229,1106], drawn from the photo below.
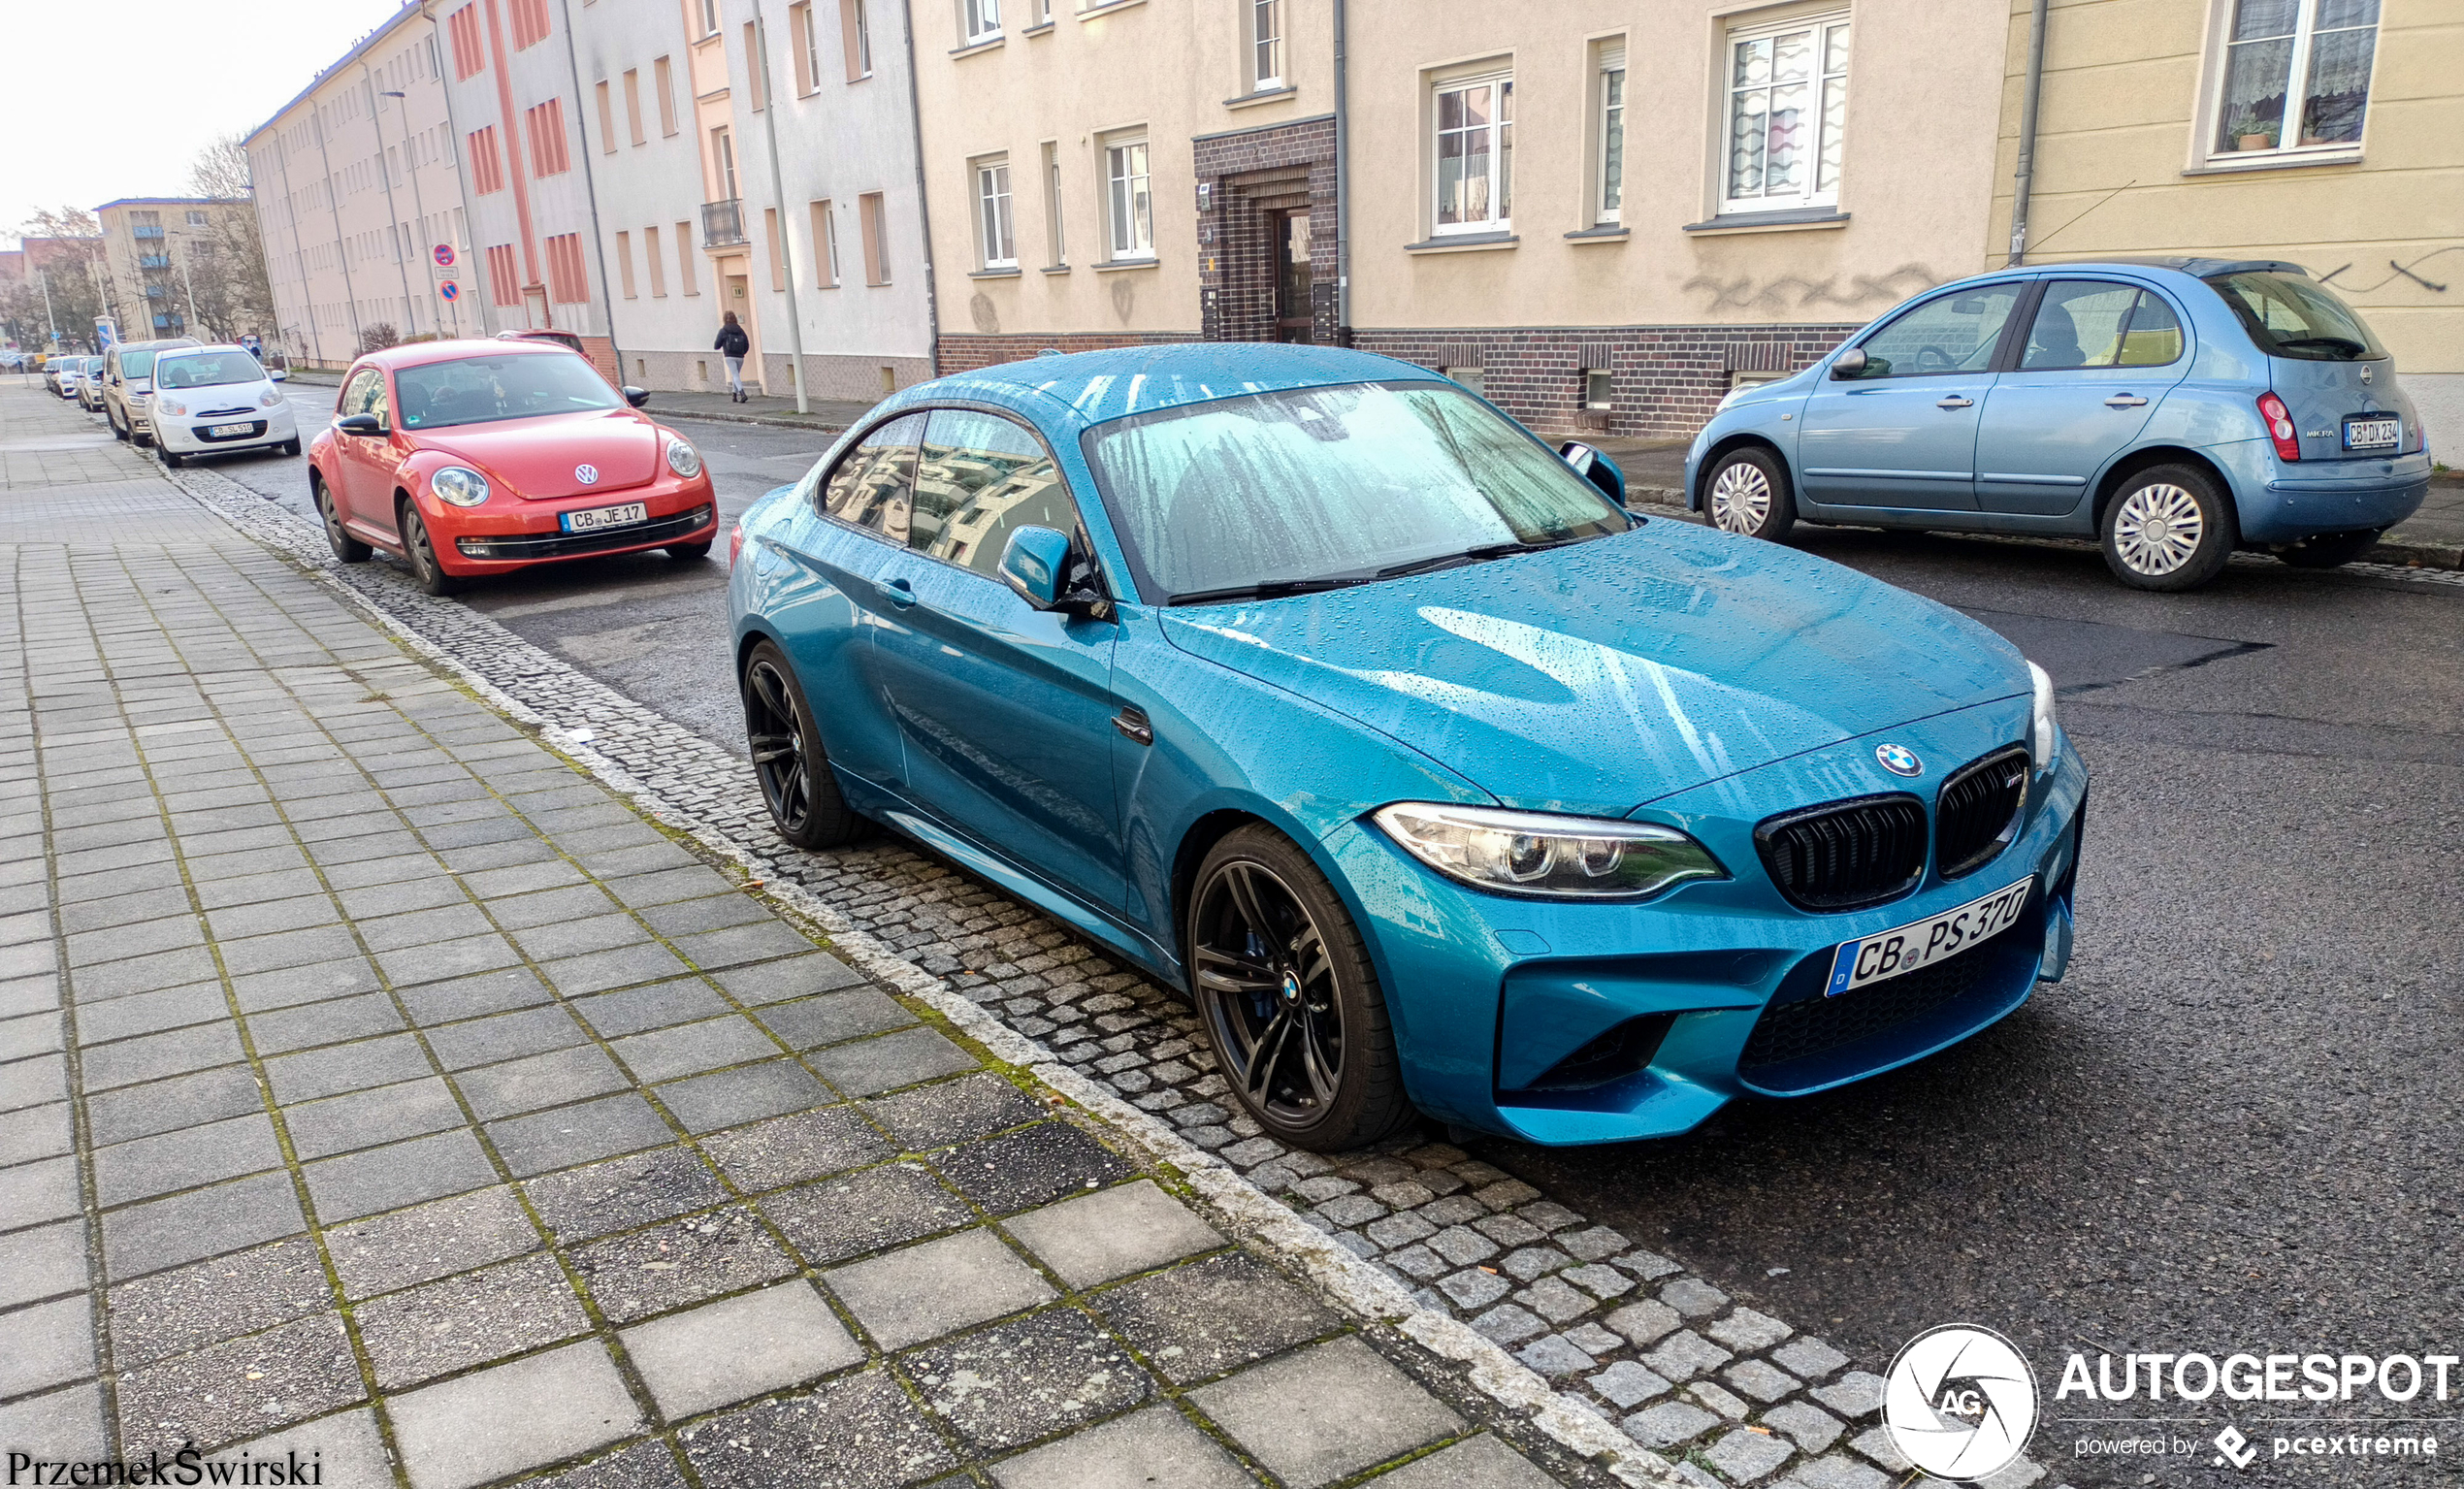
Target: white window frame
[1499,132]
[1129,217]
[1055,235]
[708,15]
[1820,28]
[1608,78]
[1267,50]
[827,250]
[2212,145]
[979,21]
[722,162]
[995,214]
[863,39]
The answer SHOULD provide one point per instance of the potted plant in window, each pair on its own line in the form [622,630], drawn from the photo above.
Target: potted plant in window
[2250,132]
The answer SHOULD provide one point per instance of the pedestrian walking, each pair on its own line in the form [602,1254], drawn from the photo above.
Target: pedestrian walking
[732,344]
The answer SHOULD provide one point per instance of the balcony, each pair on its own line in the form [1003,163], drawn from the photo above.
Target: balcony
[723,223]
[154,261]
[155,292]
[145,230]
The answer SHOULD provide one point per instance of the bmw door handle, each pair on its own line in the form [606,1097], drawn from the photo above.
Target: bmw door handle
[901,593]
[1956,402]
[2125,401]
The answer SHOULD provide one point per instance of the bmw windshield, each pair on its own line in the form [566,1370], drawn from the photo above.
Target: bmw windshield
[481,390]
[1317,488]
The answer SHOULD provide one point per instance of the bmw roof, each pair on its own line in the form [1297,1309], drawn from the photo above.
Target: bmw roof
[1104,385]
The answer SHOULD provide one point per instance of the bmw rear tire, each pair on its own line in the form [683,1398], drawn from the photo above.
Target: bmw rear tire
[2169,528]
[792,769]
[1747,494]
[1291,1001]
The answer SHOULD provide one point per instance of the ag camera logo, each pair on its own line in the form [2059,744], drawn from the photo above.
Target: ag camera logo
[1960,1401]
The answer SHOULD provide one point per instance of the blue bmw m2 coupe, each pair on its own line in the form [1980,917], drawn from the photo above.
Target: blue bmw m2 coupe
[1309,682]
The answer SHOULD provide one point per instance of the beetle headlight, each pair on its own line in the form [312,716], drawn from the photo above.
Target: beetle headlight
[458,485]
[1538,853]
[682,459]
[2040,731]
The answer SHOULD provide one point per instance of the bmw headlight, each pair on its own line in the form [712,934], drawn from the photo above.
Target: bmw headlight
[2040,731]
[682,459]
[1538,853]
[458,485]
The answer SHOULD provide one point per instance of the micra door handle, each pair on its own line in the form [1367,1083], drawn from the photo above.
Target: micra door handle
[1133,726]
[2125,401]
[901,593]
[1956,402]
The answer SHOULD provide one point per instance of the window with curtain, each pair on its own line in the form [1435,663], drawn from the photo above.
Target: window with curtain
[1611,193]
[980,18]
[1787,103]
[1475,155]
[1128,200]
[993,214]
[2302,61]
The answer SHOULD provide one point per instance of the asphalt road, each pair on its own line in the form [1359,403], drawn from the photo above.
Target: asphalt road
[2232,1127]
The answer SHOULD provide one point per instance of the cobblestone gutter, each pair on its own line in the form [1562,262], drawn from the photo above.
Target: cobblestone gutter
[1615,1352]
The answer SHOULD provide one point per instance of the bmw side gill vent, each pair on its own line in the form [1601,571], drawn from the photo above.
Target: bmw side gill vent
[1845,854]
[1977,813]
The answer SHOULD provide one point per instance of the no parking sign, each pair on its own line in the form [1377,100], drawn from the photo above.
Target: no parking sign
[444,255]
[450,289]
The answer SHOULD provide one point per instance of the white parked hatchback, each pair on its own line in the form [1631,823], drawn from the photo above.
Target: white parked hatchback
[210,398]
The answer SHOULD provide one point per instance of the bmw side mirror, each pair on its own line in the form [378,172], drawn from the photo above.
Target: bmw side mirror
[1597,469]
[1032,563]
[637,396]
[1849,363]
[358,424]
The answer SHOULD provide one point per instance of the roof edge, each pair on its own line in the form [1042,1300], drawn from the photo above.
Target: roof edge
[385,28]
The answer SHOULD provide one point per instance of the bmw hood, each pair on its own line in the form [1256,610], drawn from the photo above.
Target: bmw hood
[542,459]
[1604,675]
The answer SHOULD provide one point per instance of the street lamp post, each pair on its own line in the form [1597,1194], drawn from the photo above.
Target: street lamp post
[411,170]
[778,194]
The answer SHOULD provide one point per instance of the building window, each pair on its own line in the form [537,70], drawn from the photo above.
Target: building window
[1787,101]
[505,282]
[805,45]
[723,161]
[1266,44]
[980,20]
[1056,244]
[665,75]
[625,263]
[2278,50]
[1609,194]
[530,23]
[656,263]
[770,239]
[1128,205]
[545,124]
[825,247]
[1475,157]
[997,248]
[566,283]
[632,105]
[1599,391]
[868,211]
[487,167]
[684,258]
[855,35]
[757,78]
[196,219]
[469,43]
[709,13]
[606,120]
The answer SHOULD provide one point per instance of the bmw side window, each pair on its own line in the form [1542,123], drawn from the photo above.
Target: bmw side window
[980,477]
[874,482]
[2089,323]
[1954,334]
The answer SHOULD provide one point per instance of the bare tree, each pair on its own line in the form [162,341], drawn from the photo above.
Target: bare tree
[226,274]
[70,266]
[379,337]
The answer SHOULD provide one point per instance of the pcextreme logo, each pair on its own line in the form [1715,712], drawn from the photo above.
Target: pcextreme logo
[1960,1401]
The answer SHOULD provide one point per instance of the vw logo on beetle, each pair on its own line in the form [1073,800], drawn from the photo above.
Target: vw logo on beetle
[1899,760]
[588,475]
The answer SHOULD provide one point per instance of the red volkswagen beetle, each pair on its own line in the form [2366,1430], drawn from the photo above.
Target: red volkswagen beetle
[473,457]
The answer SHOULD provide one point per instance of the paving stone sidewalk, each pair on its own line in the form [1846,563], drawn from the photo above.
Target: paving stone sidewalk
[376,1087]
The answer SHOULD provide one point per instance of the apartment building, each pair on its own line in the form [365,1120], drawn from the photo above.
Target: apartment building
[2324,131]
[758,157]
[357,182]
[163,270]
[1108,174]
[512,89]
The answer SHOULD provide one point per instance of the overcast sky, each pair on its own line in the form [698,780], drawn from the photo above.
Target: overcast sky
[113,98]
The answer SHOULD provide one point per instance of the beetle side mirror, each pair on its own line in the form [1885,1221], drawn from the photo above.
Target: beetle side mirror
[1032,563]
[637,396]
[358,424]
[1849,364]
[1597,469]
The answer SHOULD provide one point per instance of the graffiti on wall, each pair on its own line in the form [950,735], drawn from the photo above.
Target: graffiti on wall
[1793,293]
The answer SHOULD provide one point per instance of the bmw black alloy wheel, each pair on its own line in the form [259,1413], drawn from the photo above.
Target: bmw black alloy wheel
[777,742]
[1266,986]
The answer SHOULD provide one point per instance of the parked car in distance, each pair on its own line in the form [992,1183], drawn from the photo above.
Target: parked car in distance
[214,399]
[570,340]
[484,457]
[60,376]
[2174,408]
[1307,681]
[89,384]
[128,373]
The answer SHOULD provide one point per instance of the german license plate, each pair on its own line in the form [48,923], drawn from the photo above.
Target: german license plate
[600,518]
[2367,434]
[1880,957]
[223,431]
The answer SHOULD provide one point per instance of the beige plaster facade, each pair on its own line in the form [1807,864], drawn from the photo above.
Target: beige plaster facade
[2137,153]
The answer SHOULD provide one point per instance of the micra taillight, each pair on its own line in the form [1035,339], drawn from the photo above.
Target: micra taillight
[2280,425]
[736,544]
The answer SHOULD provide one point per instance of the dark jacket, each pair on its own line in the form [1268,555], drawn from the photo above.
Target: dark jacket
[732,341]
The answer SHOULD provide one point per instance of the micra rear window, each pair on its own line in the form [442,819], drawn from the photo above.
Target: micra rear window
[2291,316]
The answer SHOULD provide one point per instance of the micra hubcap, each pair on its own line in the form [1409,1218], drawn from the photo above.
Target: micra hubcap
[1740,498]
[2158,529]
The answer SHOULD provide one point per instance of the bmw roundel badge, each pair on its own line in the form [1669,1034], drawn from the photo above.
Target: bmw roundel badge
[588,475]
[1899,760]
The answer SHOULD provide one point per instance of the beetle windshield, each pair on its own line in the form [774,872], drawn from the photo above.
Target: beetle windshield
[2290,316]
[1318,487]
[481,390]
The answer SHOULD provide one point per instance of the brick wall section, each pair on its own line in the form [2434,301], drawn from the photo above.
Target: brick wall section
[1668,379]
[964,351]
[1289,166]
